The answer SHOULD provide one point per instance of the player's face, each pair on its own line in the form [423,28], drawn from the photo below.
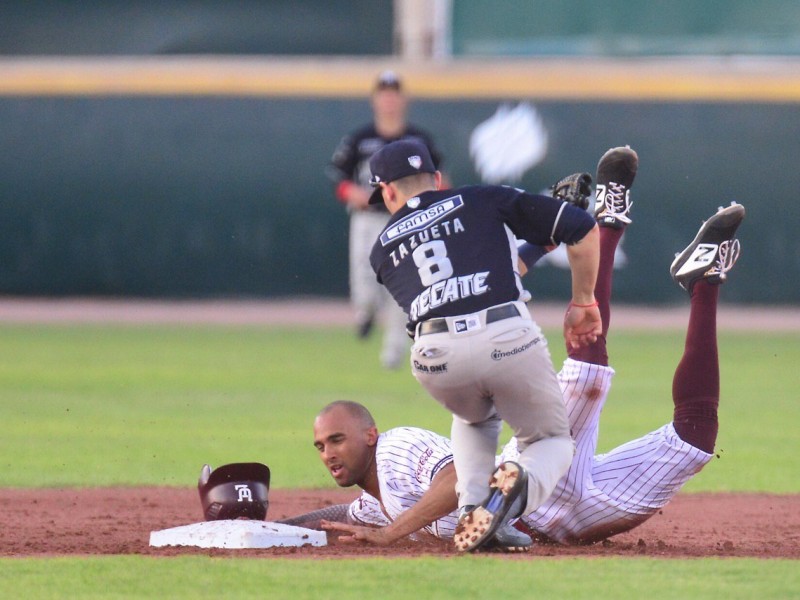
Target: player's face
[345,446]
[389,103]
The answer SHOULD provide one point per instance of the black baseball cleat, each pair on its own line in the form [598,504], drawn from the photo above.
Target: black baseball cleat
[713,251]
[615,174]
[478,527]
[364,328]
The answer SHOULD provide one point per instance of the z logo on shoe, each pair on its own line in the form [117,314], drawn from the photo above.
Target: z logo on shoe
[702,256]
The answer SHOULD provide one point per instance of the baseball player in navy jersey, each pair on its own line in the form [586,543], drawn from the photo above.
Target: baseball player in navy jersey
[349,170]
[449,259]
[604,495]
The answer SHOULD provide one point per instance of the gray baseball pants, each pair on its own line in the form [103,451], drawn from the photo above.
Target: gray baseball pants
[489,373]
[368,297]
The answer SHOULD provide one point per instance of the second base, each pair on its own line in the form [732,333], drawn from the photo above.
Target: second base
[240,533]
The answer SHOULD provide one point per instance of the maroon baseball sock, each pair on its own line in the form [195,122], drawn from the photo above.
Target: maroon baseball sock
[597,353]
[695,386]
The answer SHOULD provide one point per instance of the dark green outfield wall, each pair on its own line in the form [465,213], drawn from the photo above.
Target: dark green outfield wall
[625,27]
[169,27]
[364,27]
[193,196]
[198,197]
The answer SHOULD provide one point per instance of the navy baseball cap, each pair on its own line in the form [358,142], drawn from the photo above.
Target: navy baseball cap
[397,160]
[388,80]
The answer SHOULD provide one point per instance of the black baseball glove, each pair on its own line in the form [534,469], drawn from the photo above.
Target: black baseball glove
[575,189]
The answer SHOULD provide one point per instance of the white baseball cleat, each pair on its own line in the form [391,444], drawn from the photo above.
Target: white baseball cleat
[713,252]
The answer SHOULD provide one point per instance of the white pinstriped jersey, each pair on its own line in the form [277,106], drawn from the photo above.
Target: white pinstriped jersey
[407,459]
[610,493]
[599,496]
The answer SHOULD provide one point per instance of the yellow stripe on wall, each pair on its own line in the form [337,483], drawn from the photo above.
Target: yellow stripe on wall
[724,79]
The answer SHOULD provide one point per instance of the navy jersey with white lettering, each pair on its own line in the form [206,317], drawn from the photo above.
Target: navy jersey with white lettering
[453,252]
[350,160]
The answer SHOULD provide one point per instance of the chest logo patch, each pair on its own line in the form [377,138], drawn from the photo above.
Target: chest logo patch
[420,219]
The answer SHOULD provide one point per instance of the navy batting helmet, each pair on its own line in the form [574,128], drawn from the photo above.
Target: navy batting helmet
[234,491]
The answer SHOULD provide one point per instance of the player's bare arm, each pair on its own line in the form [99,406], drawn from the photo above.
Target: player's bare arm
[582,323]
[438,501]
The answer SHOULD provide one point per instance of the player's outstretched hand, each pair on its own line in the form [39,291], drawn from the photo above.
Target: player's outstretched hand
[358,533]
[582,325]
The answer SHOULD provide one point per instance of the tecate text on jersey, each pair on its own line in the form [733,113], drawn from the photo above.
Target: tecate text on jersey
[448,290]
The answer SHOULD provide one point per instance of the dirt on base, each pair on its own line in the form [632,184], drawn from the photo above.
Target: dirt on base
[58,522]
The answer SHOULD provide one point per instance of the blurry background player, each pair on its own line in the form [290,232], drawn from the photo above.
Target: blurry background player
[349,169]
[601,495]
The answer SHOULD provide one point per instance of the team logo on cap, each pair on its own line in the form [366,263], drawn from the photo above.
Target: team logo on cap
[415,161]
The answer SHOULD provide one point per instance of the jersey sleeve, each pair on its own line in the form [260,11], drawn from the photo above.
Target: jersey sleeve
[542,220]
[530,254]
[366,510]
[343,162]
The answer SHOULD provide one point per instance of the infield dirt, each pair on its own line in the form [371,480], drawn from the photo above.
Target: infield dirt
[55,522]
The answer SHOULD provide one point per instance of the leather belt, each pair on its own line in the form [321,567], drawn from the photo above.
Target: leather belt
[496,313]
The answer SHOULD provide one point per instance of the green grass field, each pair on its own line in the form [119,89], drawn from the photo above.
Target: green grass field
[98,406]
[465,577]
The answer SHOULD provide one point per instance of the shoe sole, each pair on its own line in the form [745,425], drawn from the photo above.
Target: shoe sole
[478,526]
[728,218]
[494,546]
[620,154]
[488,548]
[624,155]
